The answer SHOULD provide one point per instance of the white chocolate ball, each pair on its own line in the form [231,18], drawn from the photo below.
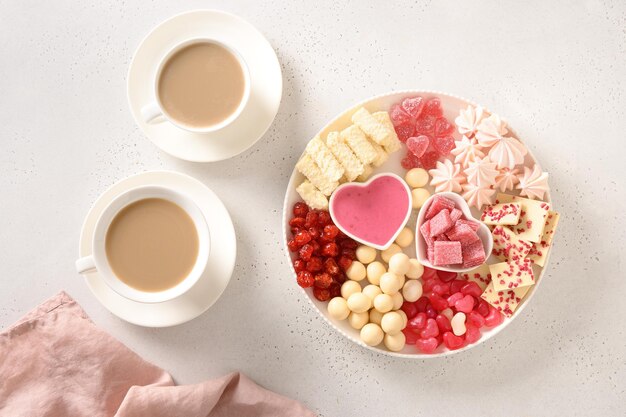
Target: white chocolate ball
[392,322]
[390,283]
[399,264]
[412,290]
[372,291]
[405,319]
[420,195]
[375,316]
[365,254]
[390,251]
[372,334]
[358,320]
[457,323]
[359,303]
[338,308]
[383,303]
[416,177]
[356,271]
[416,269]
[350,287]
[397,301]
[374,271]
[405,237]
[396,342]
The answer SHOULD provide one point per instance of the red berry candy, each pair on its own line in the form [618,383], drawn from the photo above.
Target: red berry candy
[316,247]
[453,342]
[330,266]
[349,244]
[299,265]
[330,249]
[433,107]
[300,209]
[306,252]
[413,106]
[322,294]
[311,219]
[340,277]
[335,290]
[292,246]
[323,218]
[314,264]
[344,262]
[418,145]
[305,279]
[431,329]
[314,232]
[330,232]
[323,280]
[427,345]
[348,253]
[302,238]
[297,222]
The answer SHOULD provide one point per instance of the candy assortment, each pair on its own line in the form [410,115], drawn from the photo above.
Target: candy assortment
[353,237]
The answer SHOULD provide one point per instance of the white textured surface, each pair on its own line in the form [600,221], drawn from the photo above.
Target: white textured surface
[555,69]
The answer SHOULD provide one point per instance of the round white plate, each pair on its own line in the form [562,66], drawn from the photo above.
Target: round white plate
[265,77]
[210,285]
[451,106]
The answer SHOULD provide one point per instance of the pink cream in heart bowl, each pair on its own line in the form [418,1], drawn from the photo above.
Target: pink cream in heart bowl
[373,212]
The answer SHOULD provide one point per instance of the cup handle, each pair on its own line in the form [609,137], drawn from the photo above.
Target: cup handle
[85,265]
[150,112]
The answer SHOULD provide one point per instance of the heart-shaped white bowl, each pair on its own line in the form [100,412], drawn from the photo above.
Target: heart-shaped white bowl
[365,185]
[420,244]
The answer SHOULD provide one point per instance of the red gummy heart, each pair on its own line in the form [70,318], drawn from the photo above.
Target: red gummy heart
[425,125]
[398,115]
[418,145]
[431,329]
[444,145]
[413,106]
[405,131]
[465,304]
[429,159]
[433,107]
[443,127]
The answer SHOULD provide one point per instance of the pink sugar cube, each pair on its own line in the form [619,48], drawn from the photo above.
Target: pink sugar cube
[455,215]
[439,203]
[473,225]
[441,238]
[473,254]
[430,252]
[447,253]
[440,223]
[462,233]
[425,230]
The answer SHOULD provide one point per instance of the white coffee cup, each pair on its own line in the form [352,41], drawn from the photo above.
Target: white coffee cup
[98,261]
[154,111]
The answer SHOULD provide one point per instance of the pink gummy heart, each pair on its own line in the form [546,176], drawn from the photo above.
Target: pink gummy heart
[443,127]
[398,115]
[405,131]
[465,304]
[444,145]
[431,330]
[413,106]
[418,145]
[373,212]
[433,107]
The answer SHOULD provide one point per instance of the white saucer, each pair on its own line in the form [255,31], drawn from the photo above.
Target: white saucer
[265,77]
[208,288]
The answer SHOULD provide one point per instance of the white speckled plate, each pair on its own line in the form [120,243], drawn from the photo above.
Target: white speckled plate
[265,78]
[451,105]
[211,284]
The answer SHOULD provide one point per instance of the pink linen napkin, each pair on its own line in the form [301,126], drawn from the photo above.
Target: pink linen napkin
[56,362]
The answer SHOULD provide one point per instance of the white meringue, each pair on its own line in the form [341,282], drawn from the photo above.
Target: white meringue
[506,152]
[534,183]
[482,172]
[477,196]
[466,150]
[507,179]
[468,120]
[447,177]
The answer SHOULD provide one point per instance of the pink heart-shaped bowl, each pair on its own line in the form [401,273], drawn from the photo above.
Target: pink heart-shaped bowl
[483,232]
[373,212]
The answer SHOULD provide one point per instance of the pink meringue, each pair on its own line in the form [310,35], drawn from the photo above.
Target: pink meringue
[534,183]
[506,152]
[477,196]
[466,150]
[507,179]
[482,172]
[447,177]
[468,120]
